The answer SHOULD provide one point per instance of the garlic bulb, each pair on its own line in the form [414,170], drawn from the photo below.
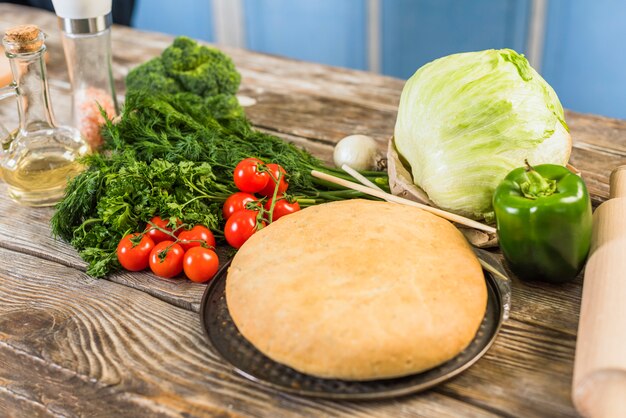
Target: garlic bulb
[358,151]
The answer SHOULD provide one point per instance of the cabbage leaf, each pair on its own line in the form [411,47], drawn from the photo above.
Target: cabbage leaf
[466,120]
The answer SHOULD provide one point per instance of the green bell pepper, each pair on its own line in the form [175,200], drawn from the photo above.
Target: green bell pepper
[544,220]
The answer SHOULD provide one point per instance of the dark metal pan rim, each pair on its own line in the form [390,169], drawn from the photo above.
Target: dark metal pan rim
[495,312]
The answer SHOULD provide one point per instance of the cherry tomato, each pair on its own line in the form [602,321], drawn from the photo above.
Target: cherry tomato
[192,237]
[282,207]
[200,264]
[157,235]
[169,265]
[236,202]
[241,226]
[276,171]
[247,176]
[134,257]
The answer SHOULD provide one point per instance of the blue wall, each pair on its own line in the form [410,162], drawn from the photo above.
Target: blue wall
[327,31]
[418,31]
[192,18]
[585,55]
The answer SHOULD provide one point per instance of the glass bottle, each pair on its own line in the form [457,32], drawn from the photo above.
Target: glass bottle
[36,160]
[86,29]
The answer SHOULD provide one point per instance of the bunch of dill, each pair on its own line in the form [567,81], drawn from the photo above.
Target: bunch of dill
[172,153]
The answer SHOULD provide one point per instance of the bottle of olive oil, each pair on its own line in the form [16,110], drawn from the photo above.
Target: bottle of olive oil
[37,160]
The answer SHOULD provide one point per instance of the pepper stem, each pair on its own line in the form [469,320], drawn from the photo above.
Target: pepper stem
[536,185]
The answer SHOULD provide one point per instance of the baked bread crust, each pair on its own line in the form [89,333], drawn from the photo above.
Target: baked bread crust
[357,290]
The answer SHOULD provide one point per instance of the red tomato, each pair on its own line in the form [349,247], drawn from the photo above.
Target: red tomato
[247,176]
[200,264]
[157,235]
[241,226]
[236,202]
[170,264]
[282,207]
[276,171]
[192,237]
[134,257]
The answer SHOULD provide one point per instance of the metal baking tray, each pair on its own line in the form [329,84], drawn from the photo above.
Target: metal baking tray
[250,363]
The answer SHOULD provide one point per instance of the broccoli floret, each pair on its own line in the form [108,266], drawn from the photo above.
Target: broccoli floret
[199,69]
[151,76]
[222,108]
[186,66]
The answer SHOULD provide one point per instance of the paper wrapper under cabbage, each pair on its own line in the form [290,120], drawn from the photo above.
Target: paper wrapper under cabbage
[401,184]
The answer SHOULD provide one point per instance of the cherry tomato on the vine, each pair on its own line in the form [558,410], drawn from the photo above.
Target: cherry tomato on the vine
[248,177]
[157,235]
[276,172]
[200,264]
[241,226]
[170,263]
[134,257]
[193,237]
[236,202]
[282,208]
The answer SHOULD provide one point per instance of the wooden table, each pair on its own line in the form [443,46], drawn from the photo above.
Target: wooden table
[131,344]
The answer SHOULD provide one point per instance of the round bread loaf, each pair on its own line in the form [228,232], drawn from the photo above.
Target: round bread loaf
[357,290]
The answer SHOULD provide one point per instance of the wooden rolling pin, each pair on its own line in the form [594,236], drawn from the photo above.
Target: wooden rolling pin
[599,387]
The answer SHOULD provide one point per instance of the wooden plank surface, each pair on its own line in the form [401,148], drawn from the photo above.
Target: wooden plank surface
[131,345]
[71,345]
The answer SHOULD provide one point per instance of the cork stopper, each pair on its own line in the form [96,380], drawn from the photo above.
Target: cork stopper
[23,39]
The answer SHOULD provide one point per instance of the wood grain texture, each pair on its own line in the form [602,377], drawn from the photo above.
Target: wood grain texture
[131,345]
[72,345]
[27,230]
[108,346]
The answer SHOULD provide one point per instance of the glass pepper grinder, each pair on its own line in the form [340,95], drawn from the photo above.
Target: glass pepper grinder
[37,159]
[86,28]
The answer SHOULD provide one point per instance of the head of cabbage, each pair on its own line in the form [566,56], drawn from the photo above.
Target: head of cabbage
[466,120]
